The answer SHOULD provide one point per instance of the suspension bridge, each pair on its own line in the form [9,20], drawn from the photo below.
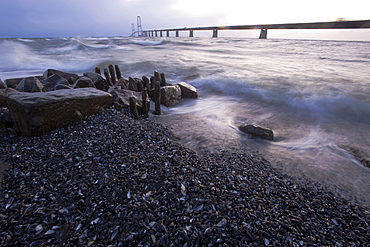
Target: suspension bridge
[360,24]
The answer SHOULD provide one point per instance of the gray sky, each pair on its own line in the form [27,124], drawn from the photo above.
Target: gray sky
[68,18]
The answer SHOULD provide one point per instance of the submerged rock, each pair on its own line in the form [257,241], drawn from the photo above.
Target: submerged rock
[34,114]
[257,131]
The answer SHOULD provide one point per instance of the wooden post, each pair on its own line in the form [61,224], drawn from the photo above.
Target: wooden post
[163,79]
[144,96]
[133,107]
[191,33]
[146,83]
[168,33]
[107,77]
[139,84]
[157,100]
[118,72]
[177,33]
[157,77]
[112,73]
[160,33]
[97,70]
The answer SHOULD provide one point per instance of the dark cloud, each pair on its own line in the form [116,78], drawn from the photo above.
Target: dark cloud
[50,18]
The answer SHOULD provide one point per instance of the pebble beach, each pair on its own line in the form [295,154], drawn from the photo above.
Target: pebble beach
[115,181]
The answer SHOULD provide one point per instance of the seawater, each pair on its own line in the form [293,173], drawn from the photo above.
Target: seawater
[313,94]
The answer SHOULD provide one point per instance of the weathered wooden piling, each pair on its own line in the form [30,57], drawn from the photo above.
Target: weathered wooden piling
[97,70]
[146,83]
[163,78]
[112,73]
[140,86]
[118,72]
[107,77]
[144,96]
[157,98]
[158,77]
[133,107]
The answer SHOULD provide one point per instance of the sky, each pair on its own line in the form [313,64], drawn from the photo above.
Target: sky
[96,18]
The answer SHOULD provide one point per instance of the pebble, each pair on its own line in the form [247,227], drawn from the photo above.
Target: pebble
[115,181]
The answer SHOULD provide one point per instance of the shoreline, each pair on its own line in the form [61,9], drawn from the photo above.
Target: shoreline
[114,180]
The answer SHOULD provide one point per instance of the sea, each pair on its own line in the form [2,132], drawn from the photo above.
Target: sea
[313,94]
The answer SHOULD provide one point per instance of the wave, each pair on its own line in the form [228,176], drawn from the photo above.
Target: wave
[149,42]
[307,102]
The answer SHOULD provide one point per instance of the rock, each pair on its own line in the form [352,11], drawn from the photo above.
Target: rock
[3,93]
[35,113]
[256,131]
[13,82]
[2,85]
[31,85]
[70,77]
[132,84]
[6,120]
[170,95]
[99,81]
[51,82]
[62,86]
[188,91]
[83,82]
[121,98]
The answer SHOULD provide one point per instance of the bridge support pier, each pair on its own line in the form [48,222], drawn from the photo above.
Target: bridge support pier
[177,33]
[160,33]
[168,33]
[263,34]
[191,33]
[215,34]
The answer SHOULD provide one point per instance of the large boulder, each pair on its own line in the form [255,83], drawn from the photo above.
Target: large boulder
[188,91]
[99,81]
[3,93]
[51,82]
[2,85]
[70,77]
[35,113]
[170,95]
[31,85]
[257,131]
[121,98]
[83,82]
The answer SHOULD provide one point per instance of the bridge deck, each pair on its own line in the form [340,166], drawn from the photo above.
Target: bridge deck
[313,25]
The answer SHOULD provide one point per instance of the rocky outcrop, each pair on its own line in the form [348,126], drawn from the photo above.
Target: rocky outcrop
[188,91]
[36,113]
[51,82]
[170,95]
[99,81]
[3,93]
[83,82]
[70,77]
[121,98]
[31,85]
[257,131]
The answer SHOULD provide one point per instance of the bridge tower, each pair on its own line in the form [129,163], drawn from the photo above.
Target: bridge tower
[133,28]
[139,28]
